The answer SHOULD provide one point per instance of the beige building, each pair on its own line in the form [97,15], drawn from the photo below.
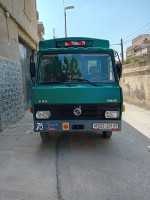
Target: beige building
[140,46]
[19,36]
[41,30]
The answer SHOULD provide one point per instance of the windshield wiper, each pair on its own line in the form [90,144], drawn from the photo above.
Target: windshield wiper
[85,81]
[54,82]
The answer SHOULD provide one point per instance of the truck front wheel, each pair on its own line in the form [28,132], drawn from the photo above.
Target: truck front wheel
[107,134]
[45,137]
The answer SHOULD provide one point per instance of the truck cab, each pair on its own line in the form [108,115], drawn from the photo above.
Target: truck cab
[76,87]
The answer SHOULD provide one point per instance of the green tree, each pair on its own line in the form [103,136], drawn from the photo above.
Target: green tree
[52,69]
[71,69]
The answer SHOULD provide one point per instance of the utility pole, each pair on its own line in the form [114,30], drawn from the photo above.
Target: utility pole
[122,54]
[65,23]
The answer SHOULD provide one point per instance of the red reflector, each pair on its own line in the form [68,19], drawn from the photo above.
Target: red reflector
[30,109]
[124,108]
[75,43]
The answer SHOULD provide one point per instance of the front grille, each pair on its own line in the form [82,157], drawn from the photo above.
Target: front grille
[89,111]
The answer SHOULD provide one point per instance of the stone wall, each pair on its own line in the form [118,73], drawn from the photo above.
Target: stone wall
[135,82]
[11,93]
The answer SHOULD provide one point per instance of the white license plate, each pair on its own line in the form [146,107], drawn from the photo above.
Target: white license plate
[103,126]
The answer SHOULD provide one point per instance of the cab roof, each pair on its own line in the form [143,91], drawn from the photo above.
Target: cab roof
[73,42]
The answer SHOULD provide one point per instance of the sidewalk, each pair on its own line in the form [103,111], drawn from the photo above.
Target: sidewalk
[24,126]
[139,118]
[27,166]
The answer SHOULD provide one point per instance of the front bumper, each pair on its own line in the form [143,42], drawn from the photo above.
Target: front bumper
[76,125]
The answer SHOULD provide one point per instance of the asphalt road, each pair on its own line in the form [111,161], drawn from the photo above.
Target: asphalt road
[74,166]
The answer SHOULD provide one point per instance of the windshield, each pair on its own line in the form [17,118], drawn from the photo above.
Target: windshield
[75,68]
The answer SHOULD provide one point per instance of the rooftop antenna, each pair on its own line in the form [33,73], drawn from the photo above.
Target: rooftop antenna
[54,36]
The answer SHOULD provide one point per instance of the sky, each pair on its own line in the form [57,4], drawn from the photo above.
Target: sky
[107,19]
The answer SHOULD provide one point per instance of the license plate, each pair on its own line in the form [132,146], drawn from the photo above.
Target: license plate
[107,126]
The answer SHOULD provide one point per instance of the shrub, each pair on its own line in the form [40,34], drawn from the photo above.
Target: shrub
[135,59]
[127,61]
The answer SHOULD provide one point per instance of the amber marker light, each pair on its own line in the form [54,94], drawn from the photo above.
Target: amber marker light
[30,109]
[124,109]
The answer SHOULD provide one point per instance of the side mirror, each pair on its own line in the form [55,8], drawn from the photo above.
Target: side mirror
[32,70]
[119,70]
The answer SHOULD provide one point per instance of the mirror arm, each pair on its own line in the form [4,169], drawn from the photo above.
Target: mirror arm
[32,66]
[119,66]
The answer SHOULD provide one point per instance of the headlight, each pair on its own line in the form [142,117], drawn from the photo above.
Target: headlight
[43,114]
[112,114]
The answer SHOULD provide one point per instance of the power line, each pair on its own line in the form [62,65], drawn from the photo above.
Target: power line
[144,31]
[114,44]
[137,30]
[135,37]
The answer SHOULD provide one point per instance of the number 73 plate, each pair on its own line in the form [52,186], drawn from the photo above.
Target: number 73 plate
[107,126]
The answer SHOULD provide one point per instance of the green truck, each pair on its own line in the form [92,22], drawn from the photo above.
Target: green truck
[76,87]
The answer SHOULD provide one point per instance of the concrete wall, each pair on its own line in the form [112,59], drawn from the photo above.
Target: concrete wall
[135,82]
[22,23]
[15,82]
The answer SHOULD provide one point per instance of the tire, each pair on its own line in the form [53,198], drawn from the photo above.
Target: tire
[45,137]
[107,134]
